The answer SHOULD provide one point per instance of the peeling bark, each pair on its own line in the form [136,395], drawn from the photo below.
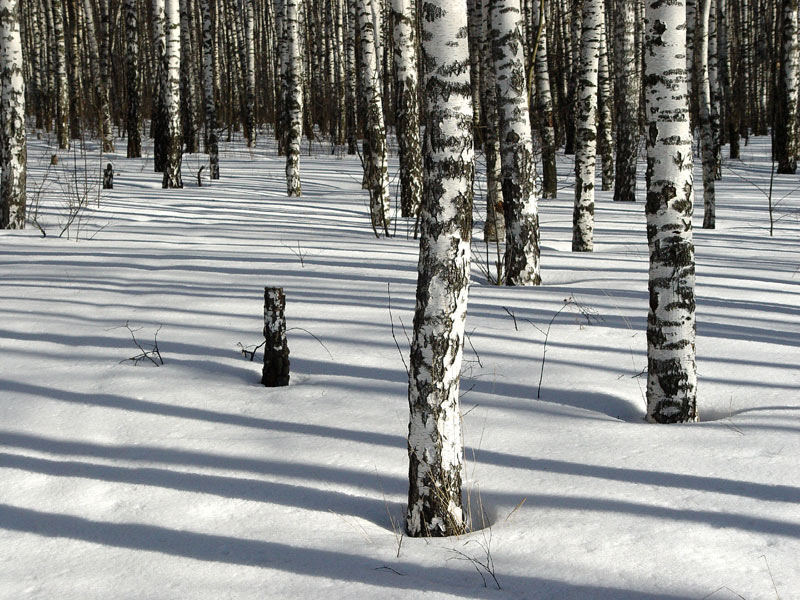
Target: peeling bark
[671,368]
[435,444]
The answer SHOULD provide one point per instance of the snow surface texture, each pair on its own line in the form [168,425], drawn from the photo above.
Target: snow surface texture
[191,480]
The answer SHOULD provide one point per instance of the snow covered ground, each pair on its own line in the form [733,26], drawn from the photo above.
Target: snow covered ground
[191,480]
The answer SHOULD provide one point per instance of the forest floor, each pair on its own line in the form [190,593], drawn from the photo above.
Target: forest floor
[123,479]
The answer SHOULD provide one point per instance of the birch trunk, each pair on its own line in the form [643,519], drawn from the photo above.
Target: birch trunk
[13,150]
[715,87]
[132,116]
[159,124]
[250,74]
[672,373]
[212,143]
[99,80]
[786,96]
[494,228]
[626,96]
[544,104]
[294,97]
[516,145]
[189,108]
[376,174]
[172,95]
[585,126]
[704,112]
[62,83]
[605,134]
[435,444]
[404,14]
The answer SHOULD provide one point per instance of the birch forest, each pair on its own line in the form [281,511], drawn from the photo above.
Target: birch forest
[467,120]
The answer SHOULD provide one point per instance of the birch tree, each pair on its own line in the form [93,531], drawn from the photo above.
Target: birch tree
[250,72]
[671,369]
[59,51]
[435,444]
[172,95]
[376,169]
[404,15]
[544,105]
[605,133]
[494,228]
[99,80]
[704,112]
[626,101]
[586,127]
[212,143]
[13,151]
[159,123]
[293,97]
[516,145]
[786,95]
[132,116]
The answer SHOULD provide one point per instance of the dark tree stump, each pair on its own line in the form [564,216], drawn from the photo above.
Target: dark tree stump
[276,350]
[108,177]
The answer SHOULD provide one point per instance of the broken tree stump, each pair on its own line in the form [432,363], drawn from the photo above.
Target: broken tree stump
[108,177]
[276,350]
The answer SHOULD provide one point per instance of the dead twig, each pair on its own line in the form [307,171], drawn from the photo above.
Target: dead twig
[391,321]
[153,355]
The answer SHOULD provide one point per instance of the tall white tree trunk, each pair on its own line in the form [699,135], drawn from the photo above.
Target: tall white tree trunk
[494,228]
[671,368]
[376,175]
[626,97]
[435,444]
[250,72]
[516,145]
[786,97]
[404,14]
[133,115]
[294,96]
[212,143]
[13,150]
[586,126]
[62,83]
[100,83]
[172,95]
[704,112]
[544,104]
[605,102]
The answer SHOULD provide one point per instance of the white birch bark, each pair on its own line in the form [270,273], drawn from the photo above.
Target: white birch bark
[250,72]
[715,85]
[352,77]
[62,84]
[672,372]
[99,80]
[376,174]
[172,95]
[704,111]
[404,15]
[605,101]
[189,108]
[294,97]
[13,149]
[212,143]
[494,228]
[786,143]
[544,104]
[516,145]
[435,444]
[626,96]
[586,127]
[132,115]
